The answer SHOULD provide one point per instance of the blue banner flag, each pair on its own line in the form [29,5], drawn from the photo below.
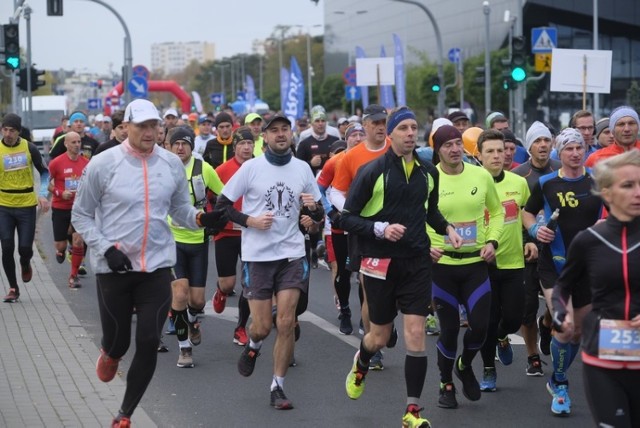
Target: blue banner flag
[399,71]
[251,93]
[294,101]
[284,84]
[386,91]
[364,90]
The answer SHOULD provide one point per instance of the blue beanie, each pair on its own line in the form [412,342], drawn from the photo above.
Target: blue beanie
[394,119]
[78,116]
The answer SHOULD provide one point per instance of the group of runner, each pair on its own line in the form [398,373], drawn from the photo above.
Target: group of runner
[423,239]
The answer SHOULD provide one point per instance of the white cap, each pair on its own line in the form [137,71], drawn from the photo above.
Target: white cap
[99,118]
[139,111]
[184,116]
[106,119]
[170,112]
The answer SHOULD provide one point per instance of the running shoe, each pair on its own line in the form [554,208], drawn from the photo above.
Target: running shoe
[26,272]
[544,341]
[247,361]
[195,335]
[432,325]
[561,403]
[59,257]
[447,396]
[336,302]
[489,377]
[12,296]
[361,328]
[393,339]
[74,283]
[171,328]
[293,362]
[324,264]
[470,386]
[463,316]
[82,269]
[534,365]
[121,422]
[354,383]
[504,351]
[321,249]
[412,418]
[376,361]
[346,327]
[162,348]
[280,401]
[219,301]
[240,336]
[106,367]
[185,359]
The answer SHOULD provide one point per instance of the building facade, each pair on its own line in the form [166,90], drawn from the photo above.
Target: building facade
[173,57]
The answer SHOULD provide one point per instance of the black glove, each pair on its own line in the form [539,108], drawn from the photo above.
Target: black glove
[335,217]
[117,260]
[214,220]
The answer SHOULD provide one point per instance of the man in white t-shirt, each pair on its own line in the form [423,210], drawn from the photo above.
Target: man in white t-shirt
[276,189]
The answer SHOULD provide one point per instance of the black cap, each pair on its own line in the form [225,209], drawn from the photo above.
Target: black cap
[183,133]
[457,115]
[374,112]
[12,120]
[509,136]
[338,146]
[275,118]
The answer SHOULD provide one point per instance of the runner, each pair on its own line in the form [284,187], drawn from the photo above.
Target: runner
[389,202]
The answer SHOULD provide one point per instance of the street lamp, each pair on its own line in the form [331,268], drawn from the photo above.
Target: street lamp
[349,15]
[309,65]
[487,59]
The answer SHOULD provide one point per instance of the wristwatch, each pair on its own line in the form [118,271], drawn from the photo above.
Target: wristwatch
[494,243]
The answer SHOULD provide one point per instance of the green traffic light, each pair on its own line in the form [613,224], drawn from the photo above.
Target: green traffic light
[14,62]
[435,88]
[518,74]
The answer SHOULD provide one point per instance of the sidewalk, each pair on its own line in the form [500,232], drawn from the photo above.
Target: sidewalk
[47,363]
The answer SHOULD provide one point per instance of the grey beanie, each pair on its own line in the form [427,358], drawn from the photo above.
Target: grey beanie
[535,131]
[568,136]
[619,113]
[601,125]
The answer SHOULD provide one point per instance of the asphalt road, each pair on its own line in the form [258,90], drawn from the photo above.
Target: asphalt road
[213,394]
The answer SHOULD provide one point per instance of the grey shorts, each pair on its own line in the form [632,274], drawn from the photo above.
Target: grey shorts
[262,280]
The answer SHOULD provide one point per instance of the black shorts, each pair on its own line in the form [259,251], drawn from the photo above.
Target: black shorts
[62,228]
[353,254]
[227,255]
[262,280]
[531,289]
[192,261]
[581,292]
[407,288]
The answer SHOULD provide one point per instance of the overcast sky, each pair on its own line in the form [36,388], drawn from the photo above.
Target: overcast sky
[90,38]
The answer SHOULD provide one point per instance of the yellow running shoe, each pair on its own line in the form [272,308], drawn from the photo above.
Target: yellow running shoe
[412,418]
[355,380]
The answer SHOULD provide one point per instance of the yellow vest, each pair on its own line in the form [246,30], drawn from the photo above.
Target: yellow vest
[16,176]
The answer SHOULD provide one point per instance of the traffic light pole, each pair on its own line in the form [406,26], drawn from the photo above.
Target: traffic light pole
[27,18]
[519,126]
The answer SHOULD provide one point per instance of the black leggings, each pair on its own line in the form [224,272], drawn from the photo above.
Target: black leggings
[613,396]
[454,285]
[507,303]
[118,295]
[342,283]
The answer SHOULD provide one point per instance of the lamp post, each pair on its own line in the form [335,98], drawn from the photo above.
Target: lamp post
[350,41]
[486,9]
[440,57]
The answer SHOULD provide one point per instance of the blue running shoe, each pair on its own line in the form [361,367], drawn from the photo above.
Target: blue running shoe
[376,362]
[504,351]
[561,403]
[489,377]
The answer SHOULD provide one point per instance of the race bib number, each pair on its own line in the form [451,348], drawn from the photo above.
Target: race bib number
[468,231]
[511,211]
[14,161]
[618,341]
[375,268]
[71,184]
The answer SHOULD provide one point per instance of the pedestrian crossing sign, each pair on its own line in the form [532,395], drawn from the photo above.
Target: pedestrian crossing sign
[543,39]
[542,63]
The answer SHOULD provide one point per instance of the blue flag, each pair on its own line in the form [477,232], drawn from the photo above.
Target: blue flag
[399,71]
[364,90]
[386,91]
[284,84]
[294,98]
[251,93]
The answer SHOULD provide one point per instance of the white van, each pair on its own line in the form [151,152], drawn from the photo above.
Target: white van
[47,111]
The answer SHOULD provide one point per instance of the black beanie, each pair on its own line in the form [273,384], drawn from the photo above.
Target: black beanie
[12,120]
[222,117]
[183,133]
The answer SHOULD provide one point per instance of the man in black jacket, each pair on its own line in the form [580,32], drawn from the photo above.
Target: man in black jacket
[388,205]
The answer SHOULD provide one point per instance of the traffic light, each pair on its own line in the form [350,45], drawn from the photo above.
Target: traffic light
[11,46]
[480,75]
[518,59]
[35,79]
[506,83]
[54,7]
[22,80]
[435,85]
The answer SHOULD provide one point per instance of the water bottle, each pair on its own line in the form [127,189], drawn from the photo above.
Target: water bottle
[553,220]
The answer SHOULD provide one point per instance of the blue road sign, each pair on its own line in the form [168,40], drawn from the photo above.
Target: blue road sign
[349,76]
[217,98]
[543,39]
[138,86]
[241,95]
[141,71]
[94,104]
[454,55]
[352,93]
